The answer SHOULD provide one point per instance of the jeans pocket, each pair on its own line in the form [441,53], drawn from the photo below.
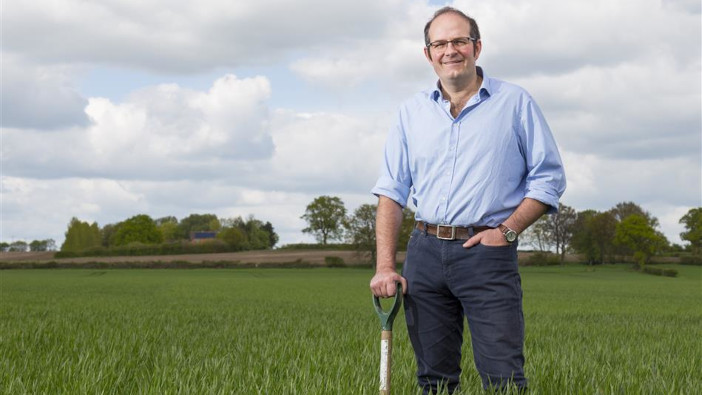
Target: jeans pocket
[506,246]
[499,256]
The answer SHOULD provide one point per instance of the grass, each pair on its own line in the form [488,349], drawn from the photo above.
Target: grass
[606,330]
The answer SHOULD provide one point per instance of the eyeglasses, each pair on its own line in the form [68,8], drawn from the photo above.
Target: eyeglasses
[458,43]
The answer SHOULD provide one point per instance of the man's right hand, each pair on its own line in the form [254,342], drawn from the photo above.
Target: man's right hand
[383,283]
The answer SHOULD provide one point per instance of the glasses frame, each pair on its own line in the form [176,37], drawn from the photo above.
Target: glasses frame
[431,45]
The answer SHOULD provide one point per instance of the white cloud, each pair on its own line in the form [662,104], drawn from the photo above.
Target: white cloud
[326,152]
[39,97]
[626,111]
[393,58]
[184,36]
[551,37]
[162,132]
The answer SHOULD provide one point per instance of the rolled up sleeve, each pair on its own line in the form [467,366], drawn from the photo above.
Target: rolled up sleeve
[545,180]
[395,180]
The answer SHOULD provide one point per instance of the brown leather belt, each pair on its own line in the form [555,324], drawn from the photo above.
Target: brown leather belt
[448,232]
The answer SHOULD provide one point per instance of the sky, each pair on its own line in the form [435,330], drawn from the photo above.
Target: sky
[116,108]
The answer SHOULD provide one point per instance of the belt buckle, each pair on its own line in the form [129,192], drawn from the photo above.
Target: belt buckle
[438,232]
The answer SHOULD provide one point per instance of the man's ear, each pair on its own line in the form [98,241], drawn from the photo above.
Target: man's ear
[477,48]
[427,54]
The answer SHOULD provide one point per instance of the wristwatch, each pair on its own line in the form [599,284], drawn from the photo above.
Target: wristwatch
[510,235]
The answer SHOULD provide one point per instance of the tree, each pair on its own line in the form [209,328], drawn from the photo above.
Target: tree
[675,248]
[360,230]
[107,234]
[249,234]
[139,228]
[635,232]
[42,245]
[692,221]
[272,236]
[81,236]
[603,227]
[554,230]
[4,246]
[234,237]
[624,209]
[168,226]
[37,246]
[325,217]
[197,223]
[166,220]
[259,238]
[560,227]
[18,246]
[537,235]
[593,235]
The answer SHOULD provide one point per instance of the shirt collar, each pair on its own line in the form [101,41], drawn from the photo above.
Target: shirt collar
[485,87]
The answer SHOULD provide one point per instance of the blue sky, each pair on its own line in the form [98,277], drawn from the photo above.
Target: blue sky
[117,108]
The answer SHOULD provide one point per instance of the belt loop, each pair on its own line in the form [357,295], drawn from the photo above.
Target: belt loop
[426,229]
[471,231]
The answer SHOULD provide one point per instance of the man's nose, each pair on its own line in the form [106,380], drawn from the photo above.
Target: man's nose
[450,49]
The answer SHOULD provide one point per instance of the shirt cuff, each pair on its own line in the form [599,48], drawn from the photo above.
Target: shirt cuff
[392,189]
[551,200]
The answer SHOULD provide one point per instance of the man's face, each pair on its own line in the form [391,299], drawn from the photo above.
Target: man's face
[452,64]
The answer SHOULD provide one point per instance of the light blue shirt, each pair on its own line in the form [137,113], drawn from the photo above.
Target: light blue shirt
[475,169]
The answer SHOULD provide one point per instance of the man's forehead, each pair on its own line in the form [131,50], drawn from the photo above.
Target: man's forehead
[449,24]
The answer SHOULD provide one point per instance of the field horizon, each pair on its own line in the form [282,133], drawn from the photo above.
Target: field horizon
[275,257]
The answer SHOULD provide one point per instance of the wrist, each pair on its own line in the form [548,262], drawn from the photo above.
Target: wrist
[385,267]
[509,234]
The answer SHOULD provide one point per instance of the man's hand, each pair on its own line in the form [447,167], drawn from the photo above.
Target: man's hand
[490,237]
[528,211]
[383,283]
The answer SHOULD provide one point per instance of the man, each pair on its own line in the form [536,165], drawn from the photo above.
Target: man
[481,165]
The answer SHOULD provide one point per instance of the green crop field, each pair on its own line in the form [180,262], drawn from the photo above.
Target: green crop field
[606,330]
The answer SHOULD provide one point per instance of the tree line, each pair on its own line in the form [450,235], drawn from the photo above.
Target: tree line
[142,234]
[626,230]
[23,246]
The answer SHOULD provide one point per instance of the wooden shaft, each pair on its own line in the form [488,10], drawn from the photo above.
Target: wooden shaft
[385,361]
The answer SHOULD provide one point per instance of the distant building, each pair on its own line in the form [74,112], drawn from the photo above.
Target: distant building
[199,237]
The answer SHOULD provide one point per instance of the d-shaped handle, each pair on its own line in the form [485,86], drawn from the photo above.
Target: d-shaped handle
[387,317]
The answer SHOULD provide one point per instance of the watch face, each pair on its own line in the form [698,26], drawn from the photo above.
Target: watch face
[511,236]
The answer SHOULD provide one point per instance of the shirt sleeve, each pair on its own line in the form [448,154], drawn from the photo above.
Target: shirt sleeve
[545,179]
[395,180]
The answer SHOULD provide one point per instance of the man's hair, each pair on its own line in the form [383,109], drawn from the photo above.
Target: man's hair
[474,32]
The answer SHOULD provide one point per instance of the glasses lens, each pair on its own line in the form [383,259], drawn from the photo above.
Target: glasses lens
[459,42]
[439,45]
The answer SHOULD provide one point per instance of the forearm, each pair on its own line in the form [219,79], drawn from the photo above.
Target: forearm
[387,228]
[528,211]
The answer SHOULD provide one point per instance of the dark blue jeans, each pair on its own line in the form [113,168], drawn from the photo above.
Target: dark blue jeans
[447,282]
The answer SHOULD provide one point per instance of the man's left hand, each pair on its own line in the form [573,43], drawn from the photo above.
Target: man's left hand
[491,237]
